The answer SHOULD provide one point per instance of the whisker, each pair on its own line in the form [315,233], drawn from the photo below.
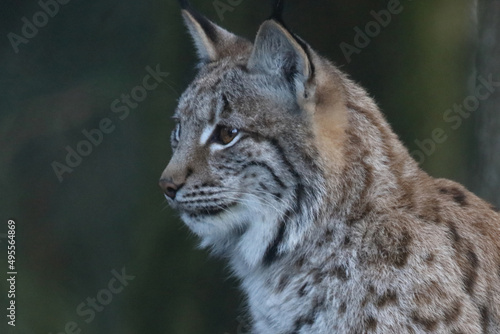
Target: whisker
[231,194]
[264,202]
[252,194]
[278,199]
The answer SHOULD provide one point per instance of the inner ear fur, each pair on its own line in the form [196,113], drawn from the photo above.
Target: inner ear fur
[277,51]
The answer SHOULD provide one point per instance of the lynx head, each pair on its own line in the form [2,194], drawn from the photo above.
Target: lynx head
[255,130]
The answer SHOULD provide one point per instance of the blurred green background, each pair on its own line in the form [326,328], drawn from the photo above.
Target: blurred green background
[109,213]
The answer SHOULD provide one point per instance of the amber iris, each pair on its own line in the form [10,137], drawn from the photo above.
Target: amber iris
[225,135]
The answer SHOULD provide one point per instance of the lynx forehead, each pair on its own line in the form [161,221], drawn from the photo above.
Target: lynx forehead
[287,168]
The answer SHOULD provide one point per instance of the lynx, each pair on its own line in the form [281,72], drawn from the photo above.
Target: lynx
[287,168]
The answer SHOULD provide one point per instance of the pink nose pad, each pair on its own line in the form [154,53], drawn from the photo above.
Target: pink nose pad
[169,188]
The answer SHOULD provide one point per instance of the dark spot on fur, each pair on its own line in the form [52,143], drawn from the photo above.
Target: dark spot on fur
[342,308]
[283,282]
[426,323]
[402,253]
[460,198]
[310,318]
[451,314]
[494,208]
[303,321]
[466,259]
[320,242]
[318,303]
[369,297]
[371,323]
[485,318]
[388,298]
[430,213]
[302,290]
[393,247]
[429,258]
[351,221]
[470,274]
[347,241]
[458,195]
[242,67]
[340,273]
[318,276]
[359,215]
[329,233]
[473,260]
[300,262]
[432,290]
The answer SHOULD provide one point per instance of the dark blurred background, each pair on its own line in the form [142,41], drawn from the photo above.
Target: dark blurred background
[61,79]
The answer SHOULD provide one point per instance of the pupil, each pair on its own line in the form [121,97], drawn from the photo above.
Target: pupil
[226,135]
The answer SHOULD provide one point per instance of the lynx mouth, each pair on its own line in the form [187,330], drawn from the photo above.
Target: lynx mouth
[208,211]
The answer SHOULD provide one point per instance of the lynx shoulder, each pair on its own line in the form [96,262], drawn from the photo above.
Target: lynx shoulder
[286,167]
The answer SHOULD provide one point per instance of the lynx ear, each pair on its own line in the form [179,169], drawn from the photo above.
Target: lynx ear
[277,51]
[211,41]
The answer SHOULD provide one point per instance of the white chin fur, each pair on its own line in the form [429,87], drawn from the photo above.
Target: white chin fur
[222,233]
[214,229]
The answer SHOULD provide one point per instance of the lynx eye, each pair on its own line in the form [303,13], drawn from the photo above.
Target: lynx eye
[224,135]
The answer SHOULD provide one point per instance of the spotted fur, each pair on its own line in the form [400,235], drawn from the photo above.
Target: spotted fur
[329,223]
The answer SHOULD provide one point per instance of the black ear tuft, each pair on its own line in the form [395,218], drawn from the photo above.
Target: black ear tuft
[277,14]
[207,26]
[211,41]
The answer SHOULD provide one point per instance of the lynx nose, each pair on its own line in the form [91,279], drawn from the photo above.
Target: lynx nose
[169,187]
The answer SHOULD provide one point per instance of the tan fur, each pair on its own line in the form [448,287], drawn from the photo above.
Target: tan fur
[412,215]
[330,117]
